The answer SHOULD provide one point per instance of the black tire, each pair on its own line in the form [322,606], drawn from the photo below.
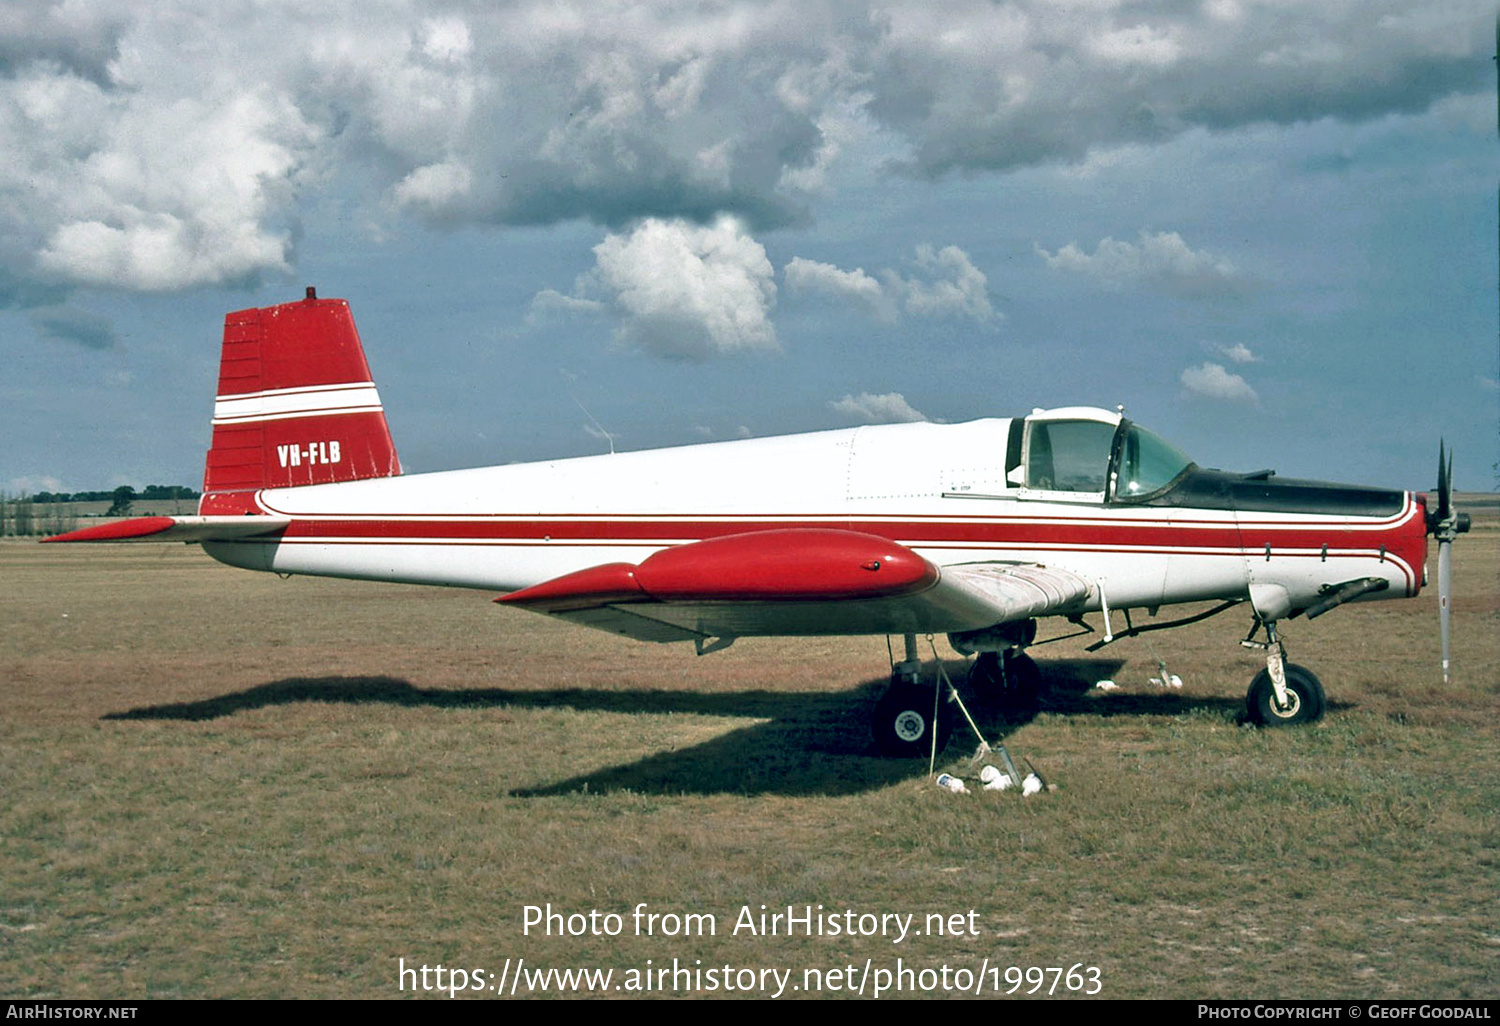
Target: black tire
[902,722]
[1304,693]
[1011,681]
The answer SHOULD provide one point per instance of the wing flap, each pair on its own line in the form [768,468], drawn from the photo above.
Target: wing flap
[1022,591]
[176,529]
[629,622]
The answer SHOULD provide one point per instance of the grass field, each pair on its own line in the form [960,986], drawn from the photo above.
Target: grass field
[222,784]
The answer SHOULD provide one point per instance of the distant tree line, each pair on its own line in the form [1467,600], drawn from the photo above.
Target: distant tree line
[113,495]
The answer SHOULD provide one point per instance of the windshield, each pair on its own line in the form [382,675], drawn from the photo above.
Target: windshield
[1148,463]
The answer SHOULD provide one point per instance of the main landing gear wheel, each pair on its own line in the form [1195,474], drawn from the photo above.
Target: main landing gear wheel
[1304,696]
[903,721]
[1010,681]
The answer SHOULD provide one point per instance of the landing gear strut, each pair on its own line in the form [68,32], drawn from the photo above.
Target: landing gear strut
[1283,692]
[1010,680]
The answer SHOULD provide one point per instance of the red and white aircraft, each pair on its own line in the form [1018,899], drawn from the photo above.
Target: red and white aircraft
[974,530]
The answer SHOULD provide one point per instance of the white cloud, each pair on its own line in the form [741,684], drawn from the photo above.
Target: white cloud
[155,199]
[1212,381]
[839,127]
[1162,261]
[947,284]
[688,292]
[447,39]
[549,301]
[434,187]
[804,275]
[819,277]
[885,408]
[1237,353]
[167,145]
[1138,44]
[707,432]
[1077,76]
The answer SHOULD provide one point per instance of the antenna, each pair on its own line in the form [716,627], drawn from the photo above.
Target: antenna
[573,378]
[597,426]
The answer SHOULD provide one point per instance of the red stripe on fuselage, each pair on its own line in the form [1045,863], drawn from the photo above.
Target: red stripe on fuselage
[1071,534]
[1401,538]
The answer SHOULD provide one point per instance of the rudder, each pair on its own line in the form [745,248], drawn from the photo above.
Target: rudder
[296,405]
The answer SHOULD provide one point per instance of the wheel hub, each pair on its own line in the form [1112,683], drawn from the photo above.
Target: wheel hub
[1292,707]
[910,725]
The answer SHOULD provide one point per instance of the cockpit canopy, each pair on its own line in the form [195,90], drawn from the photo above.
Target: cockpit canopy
[1082,454]
[1096,454]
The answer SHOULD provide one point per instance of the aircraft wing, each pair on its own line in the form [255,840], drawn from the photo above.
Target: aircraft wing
[798,582]
[177,529]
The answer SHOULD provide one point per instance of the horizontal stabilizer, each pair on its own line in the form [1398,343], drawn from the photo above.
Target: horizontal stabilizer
[176,529]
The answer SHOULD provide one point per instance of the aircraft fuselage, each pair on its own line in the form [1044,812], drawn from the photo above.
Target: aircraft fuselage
[944,491]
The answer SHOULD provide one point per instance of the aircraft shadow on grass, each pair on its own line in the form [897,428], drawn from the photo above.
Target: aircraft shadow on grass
[810,743]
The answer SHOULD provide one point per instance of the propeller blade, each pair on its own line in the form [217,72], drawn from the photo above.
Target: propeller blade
[1445,525]
[1445,483]
[1445,594]
[1448,483]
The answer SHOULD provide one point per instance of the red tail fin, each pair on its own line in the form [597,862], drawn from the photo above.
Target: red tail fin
[295,406]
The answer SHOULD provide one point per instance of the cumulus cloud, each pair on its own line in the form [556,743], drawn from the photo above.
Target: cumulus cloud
[1212,381]
[683,291]
[150,199]
[885,408]
[168,145]
[1161,261]
[945,284]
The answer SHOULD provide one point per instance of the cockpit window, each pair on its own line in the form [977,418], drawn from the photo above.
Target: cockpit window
[1148,463]
[1068,455]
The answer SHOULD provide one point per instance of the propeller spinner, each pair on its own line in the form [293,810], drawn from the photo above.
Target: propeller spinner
[1445,525]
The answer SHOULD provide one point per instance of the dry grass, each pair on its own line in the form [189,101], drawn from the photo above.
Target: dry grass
[224,784]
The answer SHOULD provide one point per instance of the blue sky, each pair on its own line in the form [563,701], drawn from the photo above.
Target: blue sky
[1268,229]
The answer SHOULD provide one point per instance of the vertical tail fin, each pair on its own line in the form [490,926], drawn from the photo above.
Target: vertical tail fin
[295,406]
